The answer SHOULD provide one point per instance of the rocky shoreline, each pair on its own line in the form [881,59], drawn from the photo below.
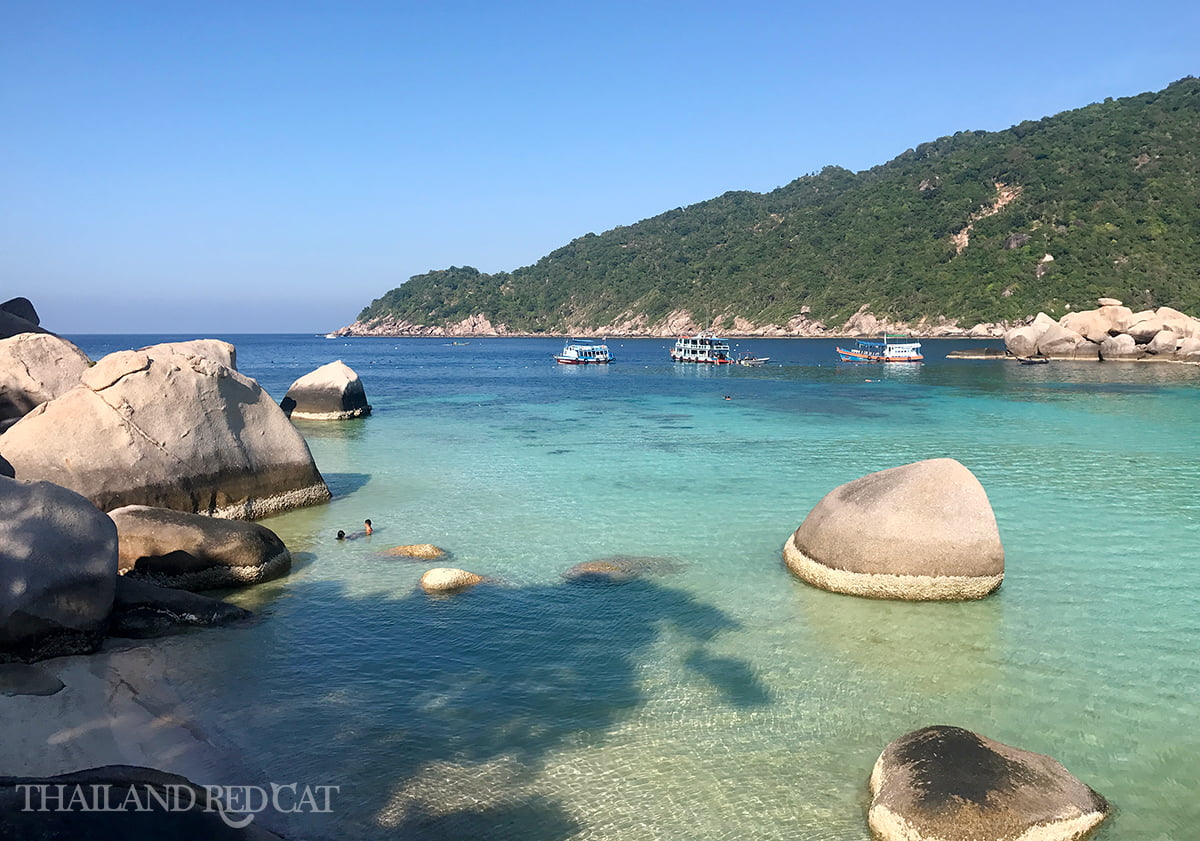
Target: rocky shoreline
[801,326]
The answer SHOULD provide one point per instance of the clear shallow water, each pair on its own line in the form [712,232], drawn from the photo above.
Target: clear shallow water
[718,698]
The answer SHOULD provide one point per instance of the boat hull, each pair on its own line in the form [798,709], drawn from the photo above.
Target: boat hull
[566,361]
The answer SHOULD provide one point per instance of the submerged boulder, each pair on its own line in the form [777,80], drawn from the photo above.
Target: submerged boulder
[142,609]
[170,430]
[195,552]
[920,531]
[448,580]
[58,568]
[422,551]
[950,784]
[35,368]
[332,392]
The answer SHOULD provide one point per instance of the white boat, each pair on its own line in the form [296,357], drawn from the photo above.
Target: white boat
[750,360]
[583,352]
[893,348]
[703,347]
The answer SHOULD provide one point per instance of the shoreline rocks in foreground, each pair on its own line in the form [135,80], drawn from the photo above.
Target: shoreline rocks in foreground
[949,784]
[58,570]
[169,429]
[331,392]
[922,531]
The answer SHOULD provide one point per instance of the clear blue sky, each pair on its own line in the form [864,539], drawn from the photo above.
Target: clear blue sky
[220,167]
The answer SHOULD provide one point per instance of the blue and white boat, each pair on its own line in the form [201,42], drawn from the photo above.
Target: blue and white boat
[893,348]
[583,352]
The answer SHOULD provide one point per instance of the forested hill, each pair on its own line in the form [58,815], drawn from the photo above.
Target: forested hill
[977,227]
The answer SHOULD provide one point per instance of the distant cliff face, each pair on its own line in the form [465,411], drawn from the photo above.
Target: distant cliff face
[976,228]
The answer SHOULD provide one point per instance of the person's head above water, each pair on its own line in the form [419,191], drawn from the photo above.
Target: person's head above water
[341,535]
[367,523]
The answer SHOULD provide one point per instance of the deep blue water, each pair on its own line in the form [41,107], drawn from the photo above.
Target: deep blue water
[716,697]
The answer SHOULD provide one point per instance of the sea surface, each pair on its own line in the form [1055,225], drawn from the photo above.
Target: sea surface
[714,696]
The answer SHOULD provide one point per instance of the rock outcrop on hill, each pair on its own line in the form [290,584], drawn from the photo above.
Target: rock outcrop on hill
[332,392]
[921,531]
[950,784]
[1111,332]
[169,430]
[58,568]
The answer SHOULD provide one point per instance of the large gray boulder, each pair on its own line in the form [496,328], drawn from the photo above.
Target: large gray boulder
[21,308]
[18,316]
[172,431]
[332,392]
[949,784]
[218,351]
[1060,343]
[919,532]
[1164,342]
[194,552]
[1121,346]
[58,568]
[1022,341]
[1188,350]
[34,368]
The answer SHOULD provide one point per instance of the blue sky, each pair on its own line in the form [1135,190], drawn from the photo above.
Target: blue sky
[221,167]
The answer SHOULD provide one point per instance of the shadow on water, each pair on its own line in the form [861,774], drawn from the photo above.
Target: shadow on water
[435,714]
[344,484]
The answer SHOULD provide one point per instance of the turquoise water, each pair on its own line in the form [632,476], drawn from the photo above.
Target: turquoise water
[716,697]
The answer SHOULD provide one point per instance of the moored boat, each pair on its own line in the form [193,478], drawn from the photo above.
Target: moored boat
[893,348]
[705,347]
[749,359]
[583,352]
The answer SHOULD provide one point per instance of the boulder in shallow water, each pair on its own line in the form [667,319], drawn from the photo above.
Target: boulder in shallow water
[58,568]
[193,552]
[448,580]
[918,532]
[423,551]
[949,784]
[173,431]
[35,368]
[332,392]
